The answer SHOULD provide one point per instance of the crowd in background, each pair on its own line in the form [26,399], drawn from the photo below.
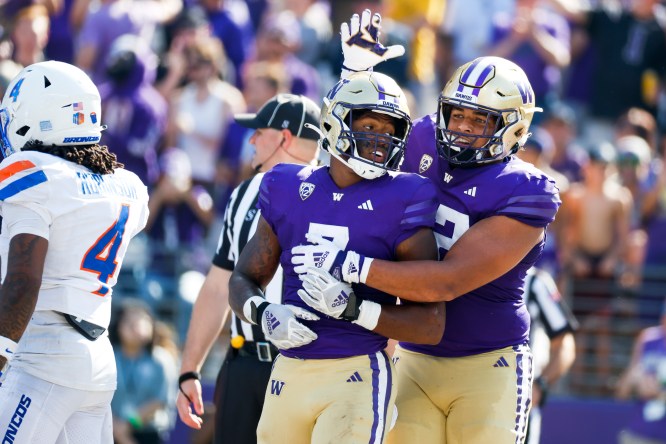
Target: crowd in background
[172,73]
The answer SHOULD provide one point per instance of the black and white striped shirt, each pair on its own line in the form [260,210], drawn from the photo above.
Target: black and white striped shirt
[240,222]
[549,314]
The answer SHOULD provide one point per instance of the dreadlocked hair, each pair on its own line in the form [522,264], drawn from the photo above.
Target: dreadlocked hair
[97,158]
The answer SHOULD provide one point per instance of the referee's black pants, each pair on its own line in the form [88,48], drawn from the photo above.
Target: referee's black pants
[239,396]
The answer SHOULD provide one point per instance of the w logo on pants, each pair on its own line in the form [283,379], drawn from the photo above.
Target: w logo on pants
[276,387]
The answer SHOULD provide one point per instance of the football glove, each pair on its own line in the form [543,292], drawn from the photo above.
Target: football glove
[349,266]
[328,295]
[280,324]
[360,43]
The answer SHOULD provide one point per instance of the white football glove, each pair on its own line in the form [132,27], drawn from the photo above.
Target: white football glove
[279,323]
[328,295]
[360,43]
[347,266]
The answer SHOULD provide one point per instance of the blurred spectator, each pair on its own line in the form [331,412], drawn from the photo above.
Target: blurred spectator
[423,18]
[180,214]
[316,29]
[230,22]
[29,34]
[568,158]
[203,109]
[466,32]
[134,112]
[539,150]
[147,376]
[262,80]
[633,167]
[60,44]
[278,40]
[630,59]
[551,340]
[645,378]
[537,39]
[600,216]
[654,265]
[114,18]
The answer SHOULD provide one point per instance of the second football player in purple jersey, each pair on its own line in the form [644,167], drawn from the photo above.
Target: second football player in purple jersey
[333,378]
[475,386]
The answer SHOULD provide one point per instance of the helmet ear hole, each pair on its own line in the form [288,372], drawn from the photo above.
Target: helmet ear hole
[23,130]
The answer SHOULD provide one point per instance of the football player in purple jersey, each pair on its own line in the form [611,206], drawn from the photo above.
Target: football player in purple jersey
[333,381]
[475,385]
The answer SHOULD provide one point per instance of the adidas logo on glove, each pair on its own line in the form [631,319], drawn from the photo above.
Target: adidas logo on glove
[271,322]
[342,299]
[320,260]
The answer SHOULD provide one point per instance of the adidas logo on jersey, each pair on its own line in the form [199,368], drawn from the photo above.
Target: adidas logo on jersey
[471,192]
[367,205]
[340,300]
[447,177]
[501,362]
[355,377]
[271,322]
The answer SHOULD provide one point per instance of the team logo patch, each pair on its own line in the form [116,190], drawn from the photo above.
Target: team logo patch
[78,118]
[306,190]
[425,163]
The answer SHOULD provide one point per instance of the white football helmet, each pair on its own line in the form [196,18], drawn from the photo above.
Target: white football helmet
[371,91]
[498,88]
[53,102]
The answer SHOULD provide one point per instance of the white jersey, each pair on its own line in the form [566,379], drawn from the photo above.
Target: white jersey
[88,220]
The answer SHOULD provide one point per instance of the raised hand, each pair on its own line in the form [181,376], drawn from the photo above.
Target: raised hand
[360,43]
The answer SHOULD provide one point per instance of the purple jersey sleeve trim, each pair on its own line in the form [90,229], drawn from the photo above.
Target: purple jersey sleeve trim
[532,198]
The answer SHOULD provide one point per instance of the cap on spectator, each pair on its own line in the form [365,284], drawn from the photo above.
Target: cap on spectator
[285,111]
[191,18]
[602,153]
[632,150]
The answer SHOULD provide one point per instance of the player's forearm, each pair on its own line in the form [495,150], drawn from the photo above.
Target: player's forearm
[412,280]
[241,289]
[205,327]
[18,295]
[421,324]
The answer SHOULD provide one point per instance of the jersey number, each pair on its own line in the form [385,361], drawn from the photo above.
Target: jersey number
[337,234]
[101,256]
[449,226]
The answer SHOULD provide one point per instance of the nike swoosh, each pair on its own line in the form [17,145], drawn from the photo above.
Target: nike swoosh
[9,351]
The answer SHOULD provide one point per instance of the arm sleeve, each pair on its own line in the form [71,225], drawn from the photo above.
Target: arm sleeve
[534,202]
[419,212]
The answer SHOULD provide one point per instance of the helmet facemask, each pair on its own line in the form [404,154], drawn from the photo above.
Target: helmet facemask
[497,90]
[350,100]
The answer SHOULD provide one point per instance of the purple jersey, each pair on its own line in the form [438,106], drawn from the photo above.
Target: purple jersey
[493,316]
[371,217]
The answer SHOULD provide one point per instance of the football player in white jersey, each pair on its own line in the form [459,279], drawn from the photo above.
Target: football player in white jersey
[68,210]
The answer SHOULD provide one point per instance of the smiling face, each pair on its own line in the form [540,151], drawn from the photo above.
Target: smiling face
[377,127]
[473,123]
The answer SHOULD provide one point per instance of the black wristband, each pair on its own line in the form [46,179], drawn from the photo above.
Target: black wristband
[353,308]
[257,312]
[187,376]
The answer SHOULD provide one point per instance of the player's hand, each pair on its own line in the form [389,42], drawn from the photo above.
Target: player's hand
[328,295]
[360,42]
[280,326]
[350,267]
[192,388]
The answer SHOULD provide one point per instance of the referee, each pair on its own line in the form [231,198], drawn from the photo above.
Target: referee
[281,136]
[551,340]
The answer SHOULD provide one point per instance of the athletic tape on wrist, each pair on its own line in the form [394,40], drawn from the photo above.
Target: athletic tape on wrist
[369,315]
[365,268]
[7,348]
